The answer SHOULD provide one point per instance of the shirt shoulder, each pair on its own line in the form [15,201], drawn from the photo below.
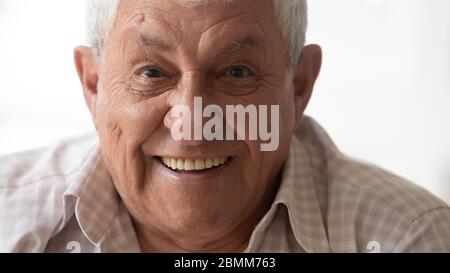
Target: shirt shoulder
[369,182]
[384,209]
[364,205]
[58,160]
[32,185]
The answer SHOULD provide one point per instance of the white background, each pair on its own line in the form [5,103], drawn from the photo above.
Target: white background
[383,95]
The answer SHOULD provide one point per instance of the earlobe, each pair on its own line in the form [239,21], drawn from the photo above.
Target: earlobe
[86,66]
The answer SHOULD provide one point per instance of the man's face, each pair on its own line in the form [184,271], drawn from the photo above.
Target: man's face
[161,54]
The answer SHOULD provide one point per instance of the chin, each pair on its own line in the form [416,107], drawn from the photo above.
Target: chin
[196,215]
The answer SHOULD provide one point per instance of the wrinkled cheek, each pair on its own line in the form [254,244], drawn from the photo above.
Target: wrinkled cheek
[126,129]
[122,156]
[121,150]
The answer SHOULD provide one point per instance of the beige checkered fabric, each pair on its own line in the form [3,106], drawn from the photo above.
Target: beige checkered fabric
[61,199]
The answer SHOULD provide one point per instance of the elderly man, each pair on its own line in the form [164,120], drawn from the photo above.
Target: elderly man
[134,187]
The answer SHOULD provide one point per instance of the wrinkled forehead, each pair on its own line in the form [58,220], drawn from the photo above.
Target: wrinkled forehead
[156,20]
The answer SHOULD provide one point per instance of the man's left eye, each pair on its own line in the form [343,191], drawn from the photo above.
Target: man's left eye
[238,72]
[151,73]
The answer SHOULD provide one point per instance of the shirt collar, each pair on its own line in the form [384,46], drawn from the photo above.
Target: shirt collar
[297,192]
[97,205]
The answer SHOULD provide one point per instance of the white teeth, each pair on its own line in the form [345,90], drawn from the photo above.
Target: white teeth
[173,163]
[208,163]
[216,162]
[199,164]
[191,165]
[180,164]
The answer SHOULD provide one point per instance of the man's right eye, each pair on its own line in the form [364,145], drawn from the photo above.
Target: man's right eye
[148,73]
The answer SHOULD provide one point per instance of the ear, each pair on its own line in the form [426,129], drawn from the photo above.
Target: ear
[87,68]
[305,74]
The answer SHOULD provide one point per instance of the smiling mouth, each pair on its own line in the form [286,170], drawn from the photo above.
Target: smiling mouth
[191,165]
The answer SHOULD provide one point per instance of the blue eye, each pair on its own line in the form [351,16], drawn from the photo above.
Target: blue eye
[151,73]
[238,72]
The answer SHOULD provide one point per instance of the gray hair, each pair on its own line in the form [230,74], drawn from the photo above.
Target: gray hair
[291,14]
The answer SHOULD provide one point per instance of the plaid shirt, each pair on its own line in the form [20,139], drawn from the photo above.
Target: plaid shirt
[62,199]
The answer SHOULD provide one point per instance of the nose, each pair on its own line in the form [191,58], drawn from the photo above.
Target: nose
[192,85]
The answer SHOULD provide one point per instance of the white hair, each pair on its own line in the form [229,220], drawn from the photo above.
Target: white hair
[291,15]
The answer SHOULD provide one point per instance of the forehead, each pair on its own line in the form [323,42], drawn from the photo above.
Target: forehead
[183,23]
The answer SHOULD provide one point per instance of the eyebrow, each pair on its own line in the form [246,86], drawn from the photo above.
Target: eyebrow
[240,44]
[246,42]
[153,42]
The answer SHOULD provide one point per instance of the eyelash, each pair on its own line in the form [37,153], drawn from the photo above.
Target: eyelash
[140,72]
[228,69]
[163,73]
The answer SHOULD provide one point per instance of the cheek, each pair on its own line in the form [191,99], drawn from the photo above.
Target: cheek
[123,125]
[265,165]
[286,100]
[133,121]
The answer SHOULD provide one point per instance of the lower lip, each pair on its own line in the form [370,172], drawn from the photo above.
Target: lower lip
[191,176]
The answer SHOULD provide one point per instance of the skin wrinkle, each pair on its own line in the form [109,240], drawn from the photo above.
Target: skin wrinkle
[133,119]
[222,26]
[174,30]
